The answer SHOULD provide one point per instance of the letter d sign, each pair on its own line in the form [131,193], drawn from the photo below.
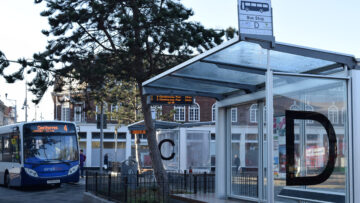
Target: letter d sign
[290,116]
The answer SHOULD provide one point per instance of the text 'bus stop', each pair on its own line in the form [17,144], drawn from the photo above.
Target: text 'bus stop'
[303,111]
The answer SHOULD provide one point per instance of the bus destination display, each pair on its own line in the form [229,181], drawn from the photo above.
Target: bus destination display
[49,128]
[176,100]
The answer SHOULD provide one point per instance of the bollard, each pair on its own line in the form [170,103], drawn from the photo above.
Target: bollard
[96,182]
[185,180]
[109,186]
[195,184]
[125,189]
[86,181]
[137,178]
[205,180]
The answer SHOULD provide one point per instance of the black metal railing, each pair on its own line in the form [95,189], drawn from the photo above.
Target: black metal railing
[245,184]
[144,187]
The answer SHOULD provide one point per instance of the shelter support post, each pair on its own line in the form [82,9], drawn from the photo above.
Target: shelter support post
[269,131]
[128,145]
[88,148]
[182,150]
[355,140]
[221,186]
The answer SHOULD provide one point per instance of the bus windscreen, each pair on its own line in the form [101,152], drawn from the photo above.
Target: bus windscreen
[50,148]
[50,143]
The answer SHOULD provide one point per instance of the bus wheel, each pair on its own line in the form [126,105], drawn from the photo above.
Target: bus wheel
[7,180]
[57,185]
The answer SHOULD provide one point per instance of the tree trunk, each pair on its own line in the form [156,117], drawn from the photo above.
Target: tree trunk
[137,139]
[137,152]
[159,171]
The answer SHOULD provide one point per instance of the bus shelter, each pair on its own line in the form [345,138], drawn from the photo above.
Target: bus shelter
[183,146]
[301,107]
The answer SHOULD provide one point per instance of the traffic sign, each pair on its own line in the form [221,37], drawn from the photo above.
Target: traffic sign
[255,17]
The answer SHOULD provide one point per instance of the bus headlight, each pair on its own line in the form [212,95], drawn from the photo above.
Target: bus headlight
[73,169]
[31,172]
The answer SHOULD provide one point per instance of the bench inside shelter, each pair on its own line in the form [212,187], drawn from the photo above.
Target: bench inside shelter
[311,195]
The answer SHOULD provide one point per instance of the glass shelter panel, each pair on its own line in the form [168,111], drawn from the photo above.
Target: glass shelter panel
[198,149]
[316,151]
[168,150]
[254,56]
[221,72]
[244,153]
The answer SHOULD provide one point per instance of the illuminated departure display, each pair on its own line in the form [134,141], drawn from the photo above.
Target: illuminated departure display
[138,132]
[49,128]
[171,100]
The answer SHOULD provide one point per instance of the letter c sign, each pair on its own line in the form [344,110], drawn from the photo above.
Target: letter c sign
[172,144]
[290,116]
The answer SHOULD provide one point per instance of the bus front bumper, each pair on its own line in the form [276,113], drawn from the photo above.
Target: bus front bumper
[27,180]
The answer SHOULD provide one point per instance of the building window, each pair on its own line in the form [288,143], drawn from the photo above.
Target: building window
[253,113]
[114,109]
[98,109]
[213,114]
[156,112]
[179,113]
[333,114]
[65,112]
[233,114]
[343,115]
[77,114]
[194,112]
[308,107]
[295,107]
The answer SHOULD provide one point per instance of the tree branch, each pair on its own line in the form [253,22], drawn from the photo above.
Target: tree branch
[102,27]
[93,38]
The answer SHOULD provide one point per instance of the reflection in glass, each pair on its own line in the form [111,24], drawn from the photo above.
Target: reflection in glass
[167,149]
[50,148]
[244,153]
[311,151]
[198,149]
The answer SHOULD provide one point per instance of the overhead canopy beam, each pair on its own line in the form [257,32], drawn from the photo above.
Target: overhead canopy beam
[155,90]
[324,68]
[348,60]
[236,67]
[249,88]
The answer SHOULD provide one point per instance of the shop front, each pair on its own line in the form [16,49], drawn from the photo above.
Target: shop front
[295,137]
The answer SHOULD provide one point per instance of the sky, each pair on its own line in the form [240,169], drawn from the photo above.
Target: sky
[332,25]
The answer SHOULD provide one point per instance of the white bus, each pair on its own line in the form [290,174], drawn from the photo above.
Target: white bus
[38,153]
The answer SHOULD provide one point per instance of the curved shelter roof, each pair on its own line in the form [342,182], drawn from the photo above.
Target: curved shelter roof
[167,125]
[239,67]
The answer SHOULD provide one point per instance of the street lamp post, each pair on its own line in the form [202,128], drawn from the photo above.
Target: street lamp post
[25,105]
[12,100]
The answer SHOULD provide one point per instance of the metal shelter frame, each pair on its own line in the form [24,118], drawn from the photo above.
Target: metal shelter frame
[239,71]
[173,81]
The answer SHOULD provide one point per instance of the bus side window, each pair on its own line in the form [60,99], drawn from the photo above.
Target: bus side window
[7,149]
[15,147]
